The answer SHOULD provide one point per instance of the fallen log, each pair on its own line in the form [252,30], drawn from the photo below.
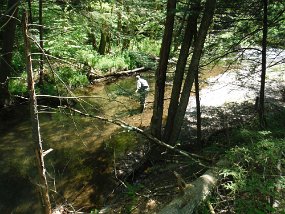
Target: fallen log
[93,77]
[194,193]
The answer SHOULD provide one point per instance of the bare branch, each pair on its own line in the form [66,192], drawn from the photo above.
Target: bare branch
[124,125]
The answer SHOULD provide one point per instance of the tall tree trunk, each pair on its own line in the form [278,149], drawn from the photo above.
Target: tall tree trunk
[7,50]
[190,30]
[198,108]
[30,11]
[35,122]
[193,68]
[41,72]
[156,120]
[178,33]
[262,119]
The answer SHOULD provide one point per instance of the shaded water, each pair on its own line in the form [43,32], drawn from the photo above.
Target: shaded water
[79,168]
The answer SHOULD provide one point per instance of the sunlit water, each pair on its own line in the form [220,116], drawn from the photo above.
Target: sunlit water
[80,167]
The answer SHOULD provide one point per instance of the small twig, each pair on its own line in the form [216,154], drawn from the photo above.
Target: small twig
[115,170]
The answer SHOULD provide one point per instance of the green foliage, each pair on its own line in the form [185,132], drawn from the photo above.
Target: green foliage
[18,85]
[149,46]
[133,188]
[47,88]
[111,63]
[252,177]
[140,59]
[131,191]
[71,77]
[252,173]
[89,57]
[122,142]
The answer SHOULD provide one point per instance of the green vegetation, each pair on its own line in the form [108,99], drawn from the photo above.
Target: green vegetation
[252,178]
[87,37]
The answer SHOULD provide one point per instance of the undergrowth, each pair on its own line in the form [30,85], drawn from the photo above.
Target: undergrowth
[252,179]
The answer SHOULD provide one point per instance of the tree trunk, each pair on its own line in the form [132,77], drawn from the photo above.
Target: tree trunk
[178,33]
[193,68]
[43,185]
[8,36]
[103,43]
[198,109]
[30,11]
[180,69]
[194,193]
[41,42]
[156,121]
[262,119]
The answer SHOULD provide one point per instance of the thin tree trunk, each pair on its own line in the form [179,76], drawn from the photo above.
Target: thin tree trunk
[177,36]
[198,108]
[41,42]
[193,68]
[180,69]
[156,121]
[43,185]
[262,119]
[30,11]
[8,36]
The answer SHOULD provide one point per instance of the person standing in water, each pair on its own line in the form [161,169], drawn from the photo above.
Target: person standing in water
[142,89]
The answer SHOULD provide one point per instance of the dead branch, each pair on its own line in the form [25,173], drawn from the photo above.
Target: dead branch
[194,157]
[194,193]
[36,135]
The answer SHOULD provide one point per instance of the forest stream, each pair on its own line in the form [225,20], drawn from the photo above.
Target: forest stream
[80,167]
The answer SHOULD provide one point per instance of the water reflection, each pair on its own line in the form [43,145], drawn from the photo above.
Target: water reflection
[80,166]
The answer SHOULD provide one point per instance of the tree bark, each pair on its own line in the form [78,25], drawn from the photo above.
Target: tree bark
[43,185]
[198,109]
[156,121]
[194,193]
[7,50]
[41,42]
[93,77]
[178,33]
[193,68]
[180,69]
[103,43]
[262,120]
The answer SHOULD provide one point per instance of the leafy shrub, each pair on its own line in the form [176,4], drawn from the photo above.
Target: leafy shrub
[111,63]
[139,59]
[252,175]
[149,46]
[87,57]
[72,78]
[47,88]
[18,85]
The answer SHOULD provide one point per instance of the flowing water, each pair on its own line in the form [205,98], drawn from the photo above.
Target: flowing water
[79,168]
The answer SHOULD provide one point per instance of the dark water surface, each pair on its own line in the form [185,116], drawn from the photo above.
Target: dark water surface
[79,168]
